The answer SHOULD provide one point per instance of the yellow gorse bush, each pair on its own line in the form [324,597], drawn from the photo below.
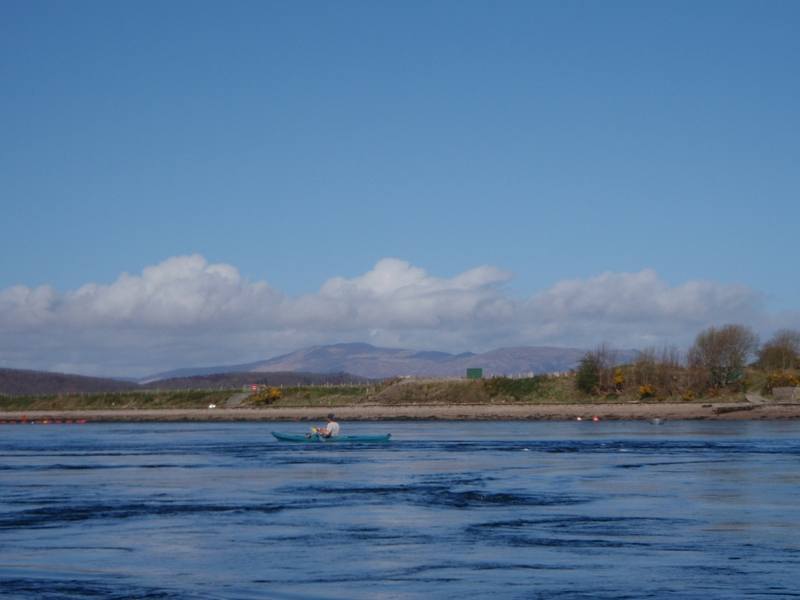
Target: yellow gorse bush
[267,395]
[781,379]
[619,378]
[646,391]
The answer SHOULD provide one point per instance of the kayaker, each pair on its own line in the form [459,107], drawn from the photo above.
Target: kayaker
[331,429]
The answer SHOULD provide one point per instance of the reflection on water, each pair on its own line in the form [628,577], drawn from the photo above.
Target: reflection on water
[468,510]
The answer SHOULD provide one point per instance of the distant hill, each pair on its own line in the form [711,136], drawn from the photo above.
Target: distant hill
[364,360]
[374,362]
[198,372]
[335,363]
[14,382]
[17,382]
[224,381]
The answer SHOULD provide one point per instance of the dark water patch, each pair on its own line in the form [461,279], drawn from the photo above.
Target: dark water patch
[384,537]
[92,454]
[437,495]
[584,525]
[314,460]
[56,516]
[378,494]
[457,479]
[497,566]
[474,499]
[377,538]
[598,594]
[648,446]
[102,467]
[519,541]
[126,549]
[302,538]
[77,589]
[672,463]
[404,574]
[21,499]
[422,573]
[714,571]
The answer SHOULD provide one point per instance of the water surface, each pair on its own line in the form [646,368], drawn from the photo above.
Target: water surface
[448,509]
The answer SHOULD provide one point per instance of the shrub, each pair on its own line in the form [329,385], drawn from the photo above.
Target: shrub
[587,377]
[781,379]
[267,395]
[516,388]
[646,391]
[595,373]
[619,379]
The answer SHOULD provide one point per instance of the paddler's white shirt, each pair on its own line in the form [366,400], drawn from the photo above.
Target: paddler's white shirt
[332,428]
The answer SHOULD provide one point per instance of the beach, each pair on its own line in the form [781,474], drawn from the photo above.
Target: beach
[461,412]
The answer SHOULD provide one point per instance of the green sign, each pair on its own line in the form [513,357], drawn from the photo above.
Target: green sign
[474,373]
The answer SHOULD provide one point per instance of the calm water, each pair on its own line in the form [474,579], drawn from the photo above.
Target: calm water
[447,510]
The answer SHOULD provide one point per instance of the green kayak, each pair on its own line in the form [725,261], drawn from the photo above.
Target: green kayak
[363,439]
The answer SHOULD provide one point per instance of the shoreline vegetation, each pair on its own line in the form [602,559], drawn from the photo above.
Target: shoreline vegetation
[713,382]
[544,397]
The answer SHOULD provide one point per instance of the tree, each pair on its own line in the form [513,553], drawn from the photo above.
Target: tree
[596,371]
[660,369]
[781,352]
[723,352]
[587,378]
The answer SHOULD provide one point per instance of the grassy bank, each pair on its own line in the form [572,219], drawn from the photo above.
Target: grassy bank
[539,390]
[133,400]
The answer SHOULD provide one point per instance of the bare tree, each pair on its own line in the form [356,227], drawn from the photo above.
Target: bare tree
[670,370]
[782,351]
[606,360]
[662,369]
[723,353]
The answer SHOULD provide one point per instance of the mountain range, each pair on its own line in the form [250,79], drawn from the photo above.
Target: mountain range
[334,363]
[365,360]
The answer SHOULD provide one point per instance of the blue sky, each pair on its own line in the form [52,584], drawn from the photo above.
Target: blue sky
[551,144]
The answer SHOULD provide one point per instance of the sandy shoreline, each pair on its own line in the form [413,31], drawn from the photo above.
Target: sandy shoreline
[553,412]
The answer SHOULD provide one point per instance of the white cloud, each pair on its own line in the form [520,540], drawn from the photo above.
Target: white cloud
[187,312]
[637,309]
[180,292]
